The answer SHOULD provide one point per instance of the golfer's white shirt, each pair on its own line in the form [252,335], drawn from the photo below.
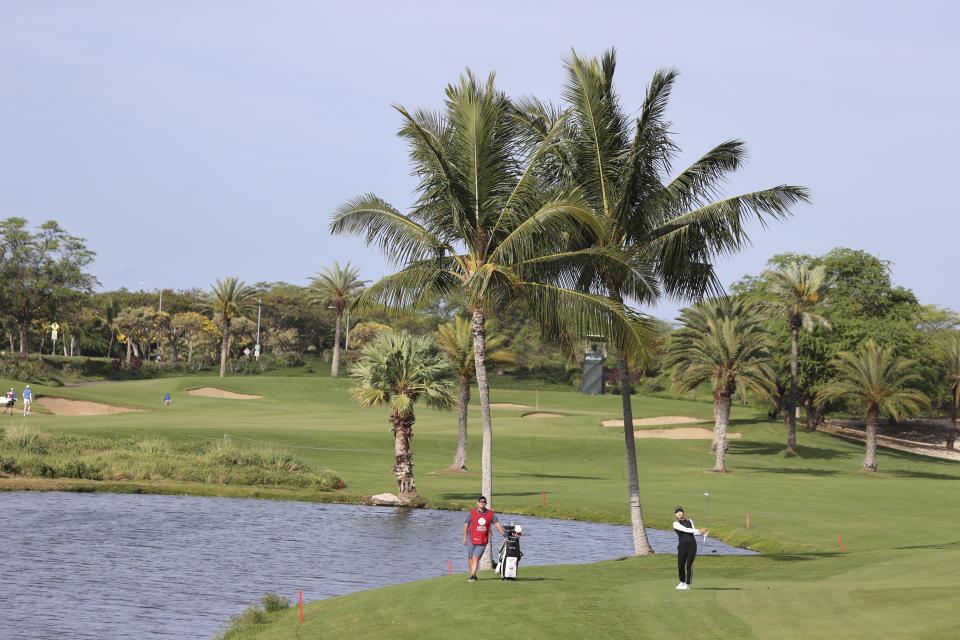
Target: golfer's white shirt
[691,529]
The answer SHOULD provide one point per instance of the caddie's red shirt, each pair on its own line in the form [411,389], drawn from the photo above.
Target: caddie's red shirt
[480,524]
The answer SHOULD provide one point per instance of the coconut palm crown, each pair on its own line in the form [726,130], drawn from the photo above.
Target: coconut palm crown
[672,228]
[722,343]
[486,227]
[229,298]
[399,370]
[797,294]
[880,382]
[337,287]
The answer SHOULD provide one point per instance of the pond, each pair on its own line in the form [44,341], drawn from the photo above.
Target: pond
[134,566]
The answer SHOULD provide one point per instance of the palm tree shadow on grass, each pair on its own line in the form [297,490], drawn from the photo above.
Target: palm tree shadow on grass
[549,475]
[780,470]
[801,557]
[902,473]
[945,546]
[746,448]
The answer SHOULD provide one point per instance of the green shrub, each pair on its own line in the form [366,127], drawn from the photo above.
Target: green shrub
[9,466]
[254,615]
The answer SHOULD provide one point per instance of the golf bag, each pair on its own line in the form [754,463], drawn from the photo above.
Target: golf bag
[510,553]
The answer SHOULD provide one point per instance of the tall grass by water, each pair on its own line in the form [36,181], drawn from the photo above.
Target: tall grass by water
[25,451]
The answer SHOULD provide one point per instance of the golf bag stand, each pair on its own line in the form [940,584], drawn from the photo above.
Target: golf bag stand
[510,553]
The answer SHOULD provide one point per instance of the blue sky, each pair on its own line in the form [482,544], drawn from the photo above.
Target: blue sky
[187,141]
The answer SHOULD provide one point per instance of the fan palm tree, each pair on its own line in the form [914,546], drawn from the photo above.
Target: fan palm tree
[797,293]
[722,343]
[951,365]
[455,340]
[109,311]
[485,228]
[881,382]
[673,228]
[399,370]
[338,287]
[229,298]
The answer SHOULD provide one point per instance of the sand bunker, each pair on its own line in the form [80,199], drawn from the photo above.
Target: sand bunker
[68,407]
[508,405]
[541,414]
[652,422]
[681,433]
[213,392]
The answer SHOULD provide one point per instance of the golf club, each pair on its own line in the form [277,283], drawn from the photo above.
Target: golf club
[706,519]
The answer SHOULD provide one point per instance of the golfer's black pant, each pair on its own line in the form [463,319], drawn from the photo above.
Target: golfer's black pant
[685,555]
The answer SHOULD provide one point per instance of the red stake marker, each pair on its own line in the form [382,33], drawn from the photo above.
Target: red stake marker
[841,543]
[544,497]
[450,566]
[301,606]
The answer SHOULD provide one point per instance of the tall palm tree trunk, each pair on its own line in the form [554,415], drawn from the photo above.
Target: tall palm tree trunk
[403,469]
[110,346]
[870,459]
[721,416]
[463,401]
[641,546]
[225,347]
[335,366]
[483,385]
[792,412]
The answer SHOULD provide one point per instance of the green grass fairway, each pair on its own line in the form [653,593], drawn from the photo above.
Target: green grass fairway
[900,526]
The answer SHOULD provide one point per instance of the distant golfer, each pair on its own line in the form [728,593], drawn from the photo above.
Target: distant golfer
[686,547]
[166,399]
[27,400]
[476,534]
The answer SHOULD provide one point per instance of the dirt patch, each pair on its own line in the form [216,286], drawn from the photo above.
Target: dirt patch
[213,392]
[899,444]
[69,407]
[508,405]
[541,414]
[651,422]
[681,433]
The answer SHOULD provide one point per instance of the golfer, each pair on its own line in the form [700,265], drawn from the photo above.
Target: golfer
[11,400]
[27,400]
[476,534]
[686,547]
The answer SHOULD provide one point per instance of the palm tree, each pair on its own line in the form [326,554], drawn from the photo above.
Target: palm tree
[484,228]
[455,340]
[673,228]
[796,293]
[876,379]
[337,287]
[229,298]
[951,365]
[723,343]
[110,310]
[398,370]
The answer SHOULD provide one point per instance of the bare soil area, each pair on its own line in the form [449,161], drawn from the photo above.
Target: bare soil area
[508,405]
[69,407]
[652,422]
[927,438]
[213,392]
[542,414]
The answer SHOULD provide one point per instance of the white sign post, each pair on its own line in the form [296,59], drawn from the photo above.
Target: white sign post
[53,336]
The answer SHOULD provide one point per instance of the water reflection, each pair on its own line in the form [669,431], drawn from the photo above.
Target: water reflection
[130,566]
